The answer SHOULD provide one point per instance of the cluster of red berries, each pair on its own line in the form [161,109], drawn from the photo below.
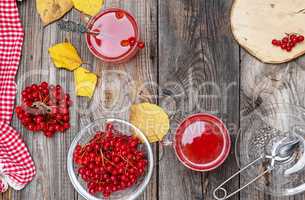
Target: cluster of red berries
[288,42]
[110,162]
[132,42]
[44,108]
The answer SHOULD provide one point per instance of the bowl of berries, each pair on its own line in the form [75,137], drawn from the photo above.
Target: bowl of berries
[110,159]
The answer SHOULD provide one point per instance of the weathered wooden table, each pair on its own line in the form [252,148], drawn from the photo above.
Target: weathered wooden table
[190,64]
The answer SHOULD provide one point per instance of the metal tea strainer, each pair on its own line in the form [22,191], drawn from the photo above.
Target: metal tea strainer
[271,147]
[281,152]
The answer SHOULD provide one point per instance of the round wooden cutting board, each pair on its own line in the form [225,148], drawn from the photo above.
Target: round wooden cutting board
[255,23]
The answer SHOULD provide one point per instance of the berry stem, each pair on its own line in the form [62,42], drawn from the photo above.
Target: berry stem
[127,162]
[103,157]
[109,162]
[46,99]
[41,107]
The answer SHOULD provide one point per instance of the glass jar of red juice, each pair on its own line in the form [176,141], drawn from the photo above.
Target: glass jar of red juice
[202,142]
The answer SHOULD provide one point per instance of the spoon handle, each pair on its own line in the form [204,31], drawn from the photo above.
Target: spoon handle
[225,194]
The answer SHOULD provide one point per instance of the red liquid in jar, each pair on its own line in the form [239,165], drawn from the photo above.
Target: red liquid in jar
[113,26]
[205,145]
[202,142]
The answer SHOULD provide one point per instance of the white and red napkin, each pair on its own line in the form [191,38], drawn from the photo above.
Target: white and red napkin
[16,165]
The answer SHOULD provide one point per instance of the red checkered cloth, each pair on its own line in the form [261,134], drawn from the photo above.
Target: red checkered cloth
[16,165]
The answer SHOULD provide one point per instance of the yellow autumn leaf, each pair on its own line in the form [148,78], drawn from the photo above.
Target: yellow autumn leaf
[52,10]
[64,55]
[85,82]
[89,7]
[151,119]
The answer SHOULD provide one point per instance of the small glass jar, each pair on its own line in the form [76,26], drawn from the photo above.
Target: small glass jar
[202,142]
[110,33]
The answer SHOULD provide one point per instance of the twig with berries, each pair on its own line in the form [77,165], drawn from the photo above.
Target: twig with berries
[289,41]
[44,108]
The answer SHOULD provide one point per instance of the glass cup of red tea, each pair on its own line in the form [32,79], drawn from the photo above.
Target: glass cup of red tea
[114,36]
[202,142]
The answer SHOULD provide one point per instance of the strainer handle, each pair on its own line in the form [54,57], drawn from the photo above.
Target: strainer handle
[224,191]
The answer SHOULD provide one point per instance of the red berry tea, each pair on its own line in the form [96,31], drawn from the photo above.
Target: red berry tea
[202,142]
[114,36]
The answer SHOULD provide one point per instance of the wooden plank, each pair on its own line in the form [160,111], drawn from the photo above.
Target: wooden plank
[266,84]
[176,37]
[134,74]
[8,194]
[199,65]
[140,70]
[50,154]
[144,68]
[247,105]
[223,58]
[51,181]
[31,59]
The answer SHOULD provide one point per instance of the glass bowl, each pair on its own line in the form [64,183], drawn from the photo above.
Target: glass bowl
[260,131]
[126,128]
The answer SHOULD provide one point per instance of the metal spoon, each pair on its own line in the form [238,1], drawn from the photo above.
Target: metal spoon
[280,153]
[286,149]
